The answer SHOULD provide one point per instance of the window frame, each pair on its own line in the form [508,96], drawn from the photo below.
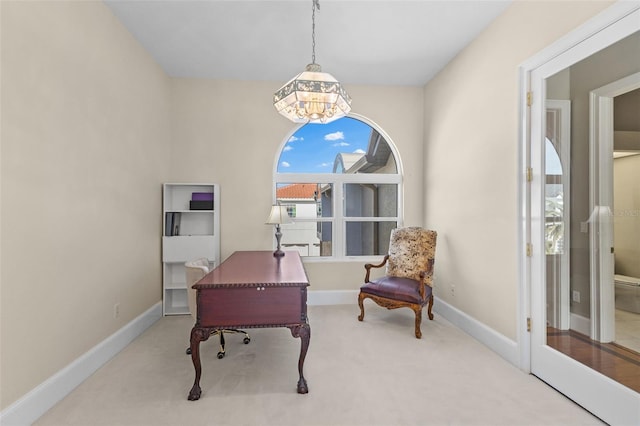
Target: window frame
[338,180]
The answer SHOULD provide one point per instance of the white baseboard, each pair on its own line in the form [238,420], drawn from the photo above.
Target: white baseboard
[506,348]
[580,324]
[332,297]
[34,404]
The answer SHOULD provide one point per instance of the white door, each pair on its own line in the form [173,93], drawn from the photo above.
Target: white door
[563,74]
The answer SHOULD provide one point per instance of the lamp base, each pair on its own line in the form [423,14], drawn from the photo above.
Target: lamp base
[278,252]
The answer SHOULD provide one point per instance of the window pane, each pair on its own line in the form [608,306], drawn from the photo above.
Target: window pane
[368,238]
[346,145]
[370,200]
[554,221]
[305,200]
[308,238]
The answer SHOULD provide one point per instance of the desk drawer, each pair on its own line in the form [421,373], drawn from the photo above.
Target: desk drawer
[251,306]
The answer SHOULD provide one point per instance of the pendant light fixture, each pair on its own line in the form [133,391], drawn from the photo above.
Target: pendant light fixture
[312,96]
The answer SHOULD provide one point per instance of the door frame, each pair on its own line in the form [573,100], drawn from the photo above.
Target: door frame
[601,202]
[604,397]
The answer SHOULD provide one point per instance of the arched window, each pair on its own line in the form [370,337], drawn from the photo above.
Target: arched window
[342,185]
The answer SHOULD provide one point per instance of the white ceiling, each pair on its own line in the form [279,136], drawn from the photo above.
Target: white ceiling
[392,42]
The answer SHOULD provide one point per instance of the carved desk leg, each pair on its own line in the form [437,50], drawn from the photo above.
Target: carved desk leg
[303,331]
[197,335]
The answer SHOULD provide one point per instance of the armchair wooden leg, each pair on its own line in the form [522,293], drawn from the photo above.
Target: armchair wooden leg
[418,312]
[430,306]
[361,297]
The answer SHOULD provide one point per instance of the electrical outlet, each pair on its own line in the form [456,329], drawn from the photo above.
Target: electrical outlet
[584,227]
[576,296]
[116,310]
[453,290]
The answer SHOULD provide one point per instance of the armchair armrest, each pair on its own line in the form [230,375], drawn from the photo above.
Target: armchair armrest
[368,267]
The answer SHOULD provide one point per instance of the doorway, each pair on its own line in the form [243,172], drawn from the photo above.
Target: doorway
[615,129]
[585,293]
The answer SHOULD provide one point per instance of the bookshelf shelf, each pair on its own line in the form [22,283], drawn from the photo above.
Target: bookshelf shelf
[187,234]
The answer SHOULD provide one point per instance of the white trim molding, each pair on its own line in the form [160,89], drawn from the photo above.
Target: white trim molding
[34,404]
[332,297]
[580,324]
[498,343]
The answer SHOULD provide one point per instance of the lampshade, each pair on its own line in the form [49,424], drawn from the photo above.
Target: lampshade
[278,216]
[312,96]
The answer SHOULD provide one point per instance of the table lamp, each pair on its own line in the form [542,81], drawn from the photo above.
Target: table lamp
[277,217]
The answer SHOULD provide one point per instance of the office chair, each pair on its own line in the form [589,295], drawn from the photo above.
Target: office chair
[194,271]
[409,274]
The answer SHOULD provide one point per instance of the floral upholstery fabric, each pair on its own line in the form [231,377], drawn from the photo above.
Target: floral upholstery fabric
[410,251]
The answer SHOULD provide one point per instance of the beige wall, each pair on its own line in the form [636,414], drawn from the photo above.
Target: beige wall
[471,156]
[237,144]
[85,144]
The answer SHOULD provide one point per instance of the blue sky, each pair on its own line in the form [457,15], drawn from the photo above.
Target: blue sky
[552,160]
[313,148]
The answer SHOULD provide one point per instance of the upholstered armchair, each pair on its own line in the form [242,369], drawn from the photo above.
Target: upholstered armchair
[408,279]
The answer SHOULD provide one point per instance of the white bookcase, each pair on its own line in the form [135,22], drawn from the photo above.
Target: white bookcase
[189,231]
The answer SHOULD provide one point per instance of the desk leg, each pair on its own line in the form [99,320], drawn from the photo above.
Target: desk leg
[303,331]
[197,335]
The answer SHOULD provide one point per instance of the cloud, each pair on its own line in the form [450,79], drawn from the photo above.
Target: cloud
[294,138]
[325,164]
[340,144]
[359,151]
[287,148]
[335,136]
[285,164]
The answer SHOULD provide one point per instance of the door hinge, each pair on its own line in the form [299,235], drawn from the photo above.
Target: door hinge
[529,325]
[529,98]
[529,250]
[529,174]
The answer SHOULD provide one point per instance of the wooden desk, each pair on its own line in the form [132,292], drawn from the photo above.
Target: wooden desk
[252,289]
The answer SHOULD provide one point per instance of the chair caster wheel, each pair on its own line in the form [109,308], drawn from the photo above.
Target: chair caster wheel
[220,355]
[188,351]
[246,340]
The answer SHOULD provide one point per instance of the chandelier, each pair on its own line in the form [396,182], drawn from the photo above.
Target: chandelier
[312,96]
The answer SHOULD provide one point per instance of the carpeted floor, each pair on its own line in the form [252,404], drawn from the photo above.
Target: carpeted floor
[359,373]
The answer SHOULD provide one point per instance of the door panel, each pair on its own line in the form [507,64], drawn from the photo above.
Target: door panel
[567,225]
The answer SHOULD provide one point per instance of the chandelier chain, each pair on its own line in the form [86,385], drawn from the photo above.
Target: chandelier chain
[316,4]
[312,96]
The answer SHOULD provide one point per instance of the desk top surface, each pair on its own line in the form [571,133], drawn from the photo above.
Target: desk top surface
[257,268]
